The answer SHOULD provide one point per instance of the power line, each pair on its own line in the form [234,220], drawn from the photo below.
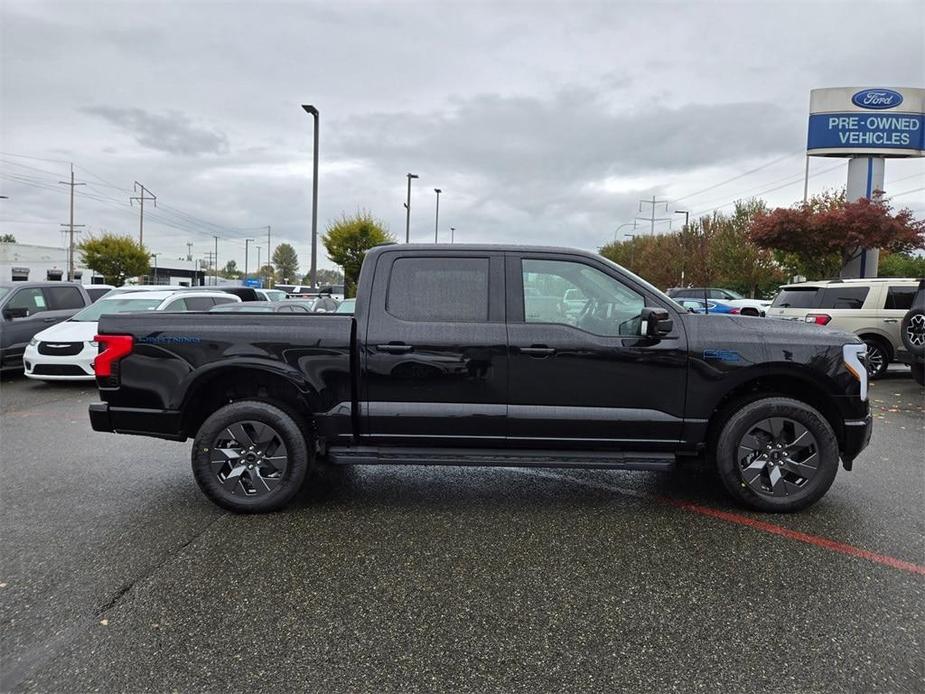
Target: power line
[741,175]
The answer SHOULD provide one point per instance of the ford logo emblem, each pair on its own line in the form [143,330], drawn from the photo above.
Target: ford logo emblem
[877,98]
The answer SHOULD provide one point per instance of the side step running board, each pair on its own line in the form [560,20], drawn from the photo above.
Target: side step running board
[499,457]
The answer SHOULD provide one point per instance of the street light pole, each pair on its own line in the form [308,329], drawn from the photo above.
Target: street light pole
[437,217]
[269,257]
[617,230]
[154,255]
[452,234]
[246,245]
[313,273]
[687,215]
[408,210]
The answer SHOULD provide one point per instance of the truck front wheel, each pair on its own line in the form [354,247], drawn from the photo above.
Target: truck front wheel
[777,454]
[250,457]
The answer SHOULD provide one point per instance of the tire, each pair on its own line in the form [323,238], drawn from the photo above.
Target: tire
[250,457]
[918,373]
[776,434]
[879,356]
[749,311]
[912,331]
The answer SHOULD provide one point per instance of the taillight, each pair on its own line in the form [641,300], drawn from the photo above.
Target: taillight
[114,348]
[735,310]
[818,318]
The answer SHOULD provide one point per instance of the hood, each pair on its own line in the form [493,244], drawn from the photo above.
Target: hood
[68,331]
[773,330]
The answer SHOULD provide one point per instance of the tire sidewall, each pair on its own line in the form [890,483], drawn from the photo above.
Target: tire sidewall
[287,428]
[917,350]
[738,424]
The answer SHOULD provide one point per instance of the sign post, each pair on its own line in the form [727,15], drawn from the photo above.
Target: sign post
[867,125]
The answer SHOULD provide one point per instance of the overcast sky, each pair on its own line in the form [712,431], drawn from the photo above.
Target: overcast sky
[543,122]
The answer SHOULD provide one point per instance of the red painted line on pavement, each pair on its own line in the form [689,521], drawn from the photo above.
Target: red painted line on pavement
[816,540]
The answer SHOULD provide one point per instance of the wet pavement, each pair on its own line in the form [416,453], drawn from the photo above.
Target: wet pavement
[118,575]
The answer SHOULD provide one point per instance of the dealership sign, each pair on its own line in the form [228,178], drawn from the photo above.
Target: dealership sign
[858,121]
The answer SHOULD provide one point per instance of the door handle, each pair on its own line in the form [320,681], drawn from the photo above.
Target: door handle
[49,320]
[395,348]
[891,320]
[538,351]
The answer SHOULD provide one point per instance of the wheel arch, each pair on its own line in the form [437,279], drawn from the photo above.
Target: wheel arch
[791,384]
[221,386]
[882,339]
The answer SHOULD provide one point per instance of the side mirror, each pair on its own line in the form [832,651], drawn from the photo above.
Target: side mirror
[11,313]
[655,322]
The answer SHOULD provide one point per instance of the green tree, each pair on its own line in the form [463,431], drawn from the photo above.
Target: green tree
[230,271]
[347,240]
[7,238]
[286,262]
[114,257]
[901,265]
[267,271]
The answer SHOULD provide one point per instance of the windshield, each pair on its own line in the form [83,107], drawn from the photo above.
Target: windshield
[116,305]
[346,306]
[733,294]
[274,294]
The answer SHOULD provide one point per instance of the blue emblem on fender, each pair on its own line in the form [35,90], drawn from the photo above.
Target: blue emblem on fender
[877,98]
[722,355]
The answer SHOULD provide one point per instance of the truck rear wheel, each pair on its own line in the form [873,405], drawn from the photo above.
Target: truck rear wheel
[250,457]
[777,454]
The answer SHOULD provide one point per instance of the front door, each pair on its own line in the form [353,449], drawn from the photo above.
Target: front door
[581,375]
[434,367]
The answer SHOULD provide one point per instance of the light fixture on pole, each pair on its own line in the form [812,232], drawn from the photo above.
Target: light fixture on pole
[452,234]
[617,230]
[313,272]
[246,244]
[437,217]
[687,215]
[408,209]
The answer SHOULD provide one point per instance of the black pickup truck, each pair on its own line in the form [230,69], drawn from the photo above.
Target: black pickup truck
[489,355]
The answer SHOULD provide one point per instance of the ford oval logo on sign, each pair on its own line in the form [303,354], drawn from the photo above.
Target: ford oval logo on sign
[877,98]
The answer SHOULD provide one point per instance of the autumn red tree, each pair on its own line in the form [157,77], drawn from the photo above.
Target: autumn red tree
[816,240]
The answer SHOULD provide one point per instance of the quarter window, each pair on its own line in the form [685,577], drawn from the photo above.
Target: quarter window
[439,289]
[606,307]
[839,296]
[899,298]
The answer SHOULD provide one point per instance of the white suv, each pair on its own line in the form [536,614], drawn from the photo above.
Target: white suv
[872,309]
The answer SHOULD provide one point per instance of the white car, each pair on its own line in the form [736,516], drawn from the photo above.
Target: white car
[65,351]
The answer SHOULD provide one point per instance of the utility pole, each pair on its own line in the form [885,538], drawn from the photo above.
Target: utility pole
[269,256]
[258,259]
[215,274]
[209,258]
[437,217]
[71,226]
[246,244]
[189,250]
[144,194]
[687,216]
[653,219]
[408,210]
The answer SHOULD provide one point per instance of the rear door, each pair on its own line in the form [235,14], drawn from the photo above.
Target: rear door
[434,367]
[589,379]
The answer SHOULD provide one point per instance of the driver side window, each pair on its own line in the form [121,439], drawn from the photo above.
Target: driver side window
[575,294]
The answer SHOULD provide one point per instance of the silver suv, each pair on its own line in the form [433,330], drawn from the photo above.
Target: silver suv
[872,309]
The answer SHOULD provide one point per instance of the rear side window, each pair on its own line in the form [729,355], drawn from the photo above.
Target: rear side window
[841,296]
[900,298]
[220,300]
[63,298]
[439,289]
[96,292]
[202,303]
[802,297]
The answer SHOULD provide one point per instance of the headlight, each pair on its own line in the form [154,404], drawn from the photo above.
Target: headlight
[853,354]
[33,342]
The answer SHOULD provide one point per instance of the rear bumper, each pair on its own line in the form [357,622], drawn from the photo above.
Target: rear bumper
[857,436]
[162,424]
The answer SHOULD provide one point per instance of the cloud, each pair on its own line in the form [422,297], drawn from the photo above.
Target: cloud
[172,132]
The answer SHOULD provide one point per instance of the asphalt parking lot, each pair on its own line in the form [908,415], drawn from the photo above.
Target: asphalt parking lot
[118,575]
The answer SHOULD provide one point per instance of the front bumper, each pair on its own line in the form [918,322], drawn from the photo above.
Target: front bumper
[857,436]
[45,367]
[162,424]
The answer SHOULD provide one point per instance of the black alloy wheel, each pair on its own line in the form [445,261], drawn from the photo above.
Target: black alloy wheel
[250,457]
[775,453]
[877,358]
